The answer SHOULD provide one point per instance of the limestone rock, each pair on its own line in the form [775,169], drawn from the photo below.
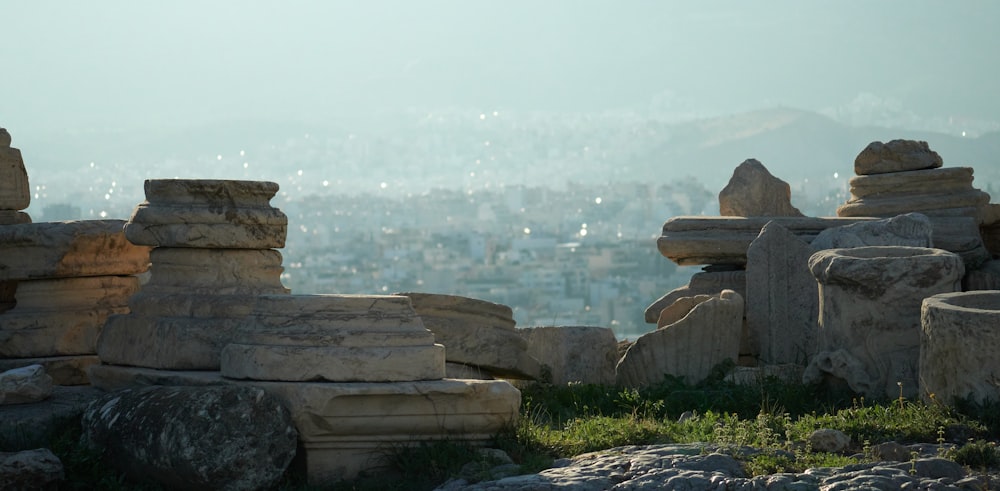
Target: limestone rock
[829,440]
[782,297]
[336,338]
[896,156]
[25,384]
[15,193]
[208,438]
[37,469]
[678,310]
[68,250]
[584,354]
[753,191]
[869,309]
[214,214]
[701,283]
[959,345]
[708,335]
[62,316]
[477,333]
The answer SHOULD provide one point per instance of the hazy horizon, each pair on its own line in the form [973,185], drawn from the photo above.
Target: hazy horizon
[120,64]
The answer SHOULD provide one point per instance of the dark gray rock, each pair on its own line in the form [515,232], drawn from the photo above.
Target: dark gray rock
[220,437]
[37,469]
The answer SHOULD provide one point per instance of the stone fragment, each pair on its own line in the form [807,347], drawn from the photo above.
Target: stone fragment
[959,345]
[37,469]
[68,250]
[190,308]
[213,214]
[724,240]
[910,230]
[896,156]
[869,313]
[477,333]
[224,437]
[829,440]
[753,191]
[25,384]
[678,310]
[945,192]
[15,193]
[782,304]
[701,283]
[574,354]
[335,338]
[64,370]
[891,451]
[62,316]
[690,348]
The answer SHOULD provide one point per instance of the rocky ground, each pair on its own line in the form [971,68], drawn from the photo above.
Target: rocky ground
[694,467]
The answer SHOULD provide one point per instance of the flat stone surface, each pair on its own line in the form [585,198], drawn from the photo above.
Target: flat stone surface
[213,214]
[782,302]
[708,335]
[345,428]
[753,191]
[333,363]
[959,342]
[68,249]
[896,156]
[477,333]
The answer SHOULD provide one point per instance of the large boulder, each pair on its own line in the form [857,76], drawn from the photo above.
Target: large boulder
[217,437]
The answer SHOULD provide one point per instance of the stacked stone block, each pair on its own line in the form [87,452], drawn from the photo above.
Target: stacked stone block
[71,276]
[213,257]
[15,195]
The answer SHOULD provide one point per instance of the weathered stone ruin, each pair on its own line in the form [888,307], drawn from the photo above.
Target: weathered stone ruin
[358,374]
[840,296]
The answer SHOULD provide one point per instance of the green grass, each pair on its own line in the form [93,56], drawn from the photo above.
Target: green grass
[563,421]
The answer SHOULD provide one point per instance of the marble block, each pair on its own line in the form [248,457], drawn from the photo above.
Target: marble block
[477,333]
[213,214]
[337,338]
[62,316]
[68,250]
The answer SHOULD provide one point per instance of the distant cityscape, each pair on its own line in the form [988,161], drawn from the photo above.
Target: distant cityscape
[555,217]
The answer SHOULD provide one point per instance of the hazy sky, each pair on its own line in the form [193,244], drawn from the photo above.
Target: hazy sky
[148,64]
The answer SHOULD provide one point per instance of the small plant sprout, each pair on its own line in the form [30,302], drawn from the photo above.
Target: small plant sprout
[900,384]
